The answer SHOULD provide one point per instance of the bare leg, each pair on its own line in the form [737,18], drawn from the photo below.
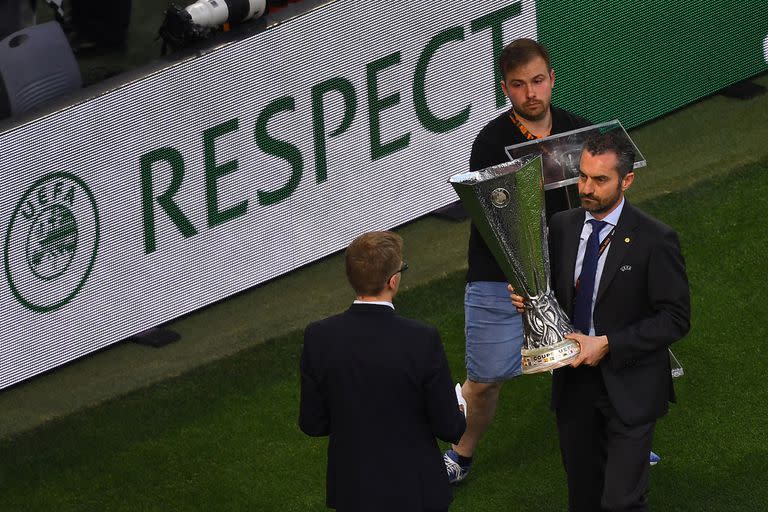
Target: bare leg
[481,405]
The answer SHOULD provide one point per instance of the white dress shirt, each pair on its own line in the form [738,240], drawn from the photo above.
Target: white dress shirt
[377,302]
[612,219]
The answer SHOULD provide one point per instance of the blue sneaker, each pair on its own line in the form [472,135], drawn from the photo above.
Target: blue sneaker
[654,459]
[456,472]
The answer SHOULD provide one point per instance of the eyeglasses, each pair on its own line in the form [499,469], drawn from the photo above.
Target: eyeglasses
[403,268]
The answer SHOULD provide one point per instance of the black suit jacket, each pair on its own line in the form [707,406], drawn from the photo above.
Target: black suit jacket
[642,305]
[379,385]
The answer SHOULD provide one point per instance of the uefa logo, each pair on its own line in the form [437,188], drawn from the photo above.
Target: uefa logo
[500,197]
[51,242]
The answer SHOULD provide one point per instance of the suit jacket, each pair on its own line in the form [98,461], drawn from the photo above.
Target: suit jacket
[379,385]
[642,305]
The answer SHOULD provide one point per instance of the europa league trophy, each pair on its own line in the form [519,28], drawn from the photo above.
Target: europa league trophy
[506,203]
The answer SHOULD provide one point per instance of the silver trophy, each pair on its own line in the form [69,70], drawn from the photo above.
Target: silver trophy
[506,203]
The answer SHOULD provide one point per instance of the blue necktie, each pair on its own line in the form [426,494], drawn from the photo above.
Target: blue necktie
[582,309]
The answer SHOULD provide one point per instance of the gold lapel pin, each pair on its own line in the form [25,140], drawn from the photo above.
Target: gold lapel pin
[626,240]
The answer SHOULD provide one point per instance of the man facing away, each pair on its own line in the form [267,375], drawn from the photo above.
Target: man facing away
[370,376]
[620,276]
[494,330]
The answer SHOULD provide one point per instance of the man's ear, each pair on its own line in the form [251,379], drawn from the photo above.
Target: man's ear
[627,181]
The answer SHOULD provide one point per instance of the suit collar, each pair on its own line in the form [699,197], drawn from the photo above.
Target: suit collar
[375,302]
[621,243]
[369,308]
[629,216]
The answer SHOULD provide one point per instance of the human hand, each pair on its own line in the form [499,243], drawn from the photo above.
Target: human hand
[517,300]
[592,348]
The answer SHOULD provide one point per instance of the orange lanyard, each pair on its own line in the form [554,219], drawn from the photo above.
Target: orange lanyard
[520,126]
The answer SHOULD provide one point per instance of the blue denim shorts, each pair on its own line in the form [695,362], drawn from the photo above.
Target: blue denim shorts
[494,332]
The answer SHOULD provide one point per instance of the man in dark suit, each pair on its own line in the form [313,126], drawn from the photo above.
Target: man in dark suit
[369,376]
[620,276]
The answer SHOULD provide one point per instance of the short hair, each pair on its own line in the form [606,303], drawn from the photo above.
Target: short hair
[614,142]
[520,52]
[371,259]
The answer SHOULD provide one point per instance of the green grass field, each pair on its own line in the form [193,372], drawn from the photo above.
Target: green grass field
[224,436]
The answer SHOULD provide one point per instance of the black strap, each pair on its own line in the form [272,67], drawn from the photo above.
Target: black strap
[606,241]
[238,10]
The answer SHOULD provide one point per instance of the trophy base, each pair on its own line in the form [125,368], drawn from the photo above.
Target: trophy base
[548,358]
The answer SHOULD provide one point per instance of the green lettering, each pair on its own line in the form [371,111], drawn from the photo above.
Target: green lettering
[278,148]
[165,200]
[494,20]
[376,105]
[213,172]
[28,210]
[69,196]
[57,190]
[429,120]
[42,196]
[347,91]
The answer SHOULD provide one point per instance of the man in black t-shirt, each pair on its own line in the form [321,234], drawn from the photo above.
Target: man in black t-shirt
[493,328]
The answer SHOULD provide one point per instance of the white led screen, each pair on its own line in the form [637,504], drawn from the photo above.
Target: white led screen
[223,171]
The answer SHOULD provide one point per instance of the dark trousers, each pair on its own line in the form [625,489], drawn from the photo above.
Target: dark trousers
[606,461]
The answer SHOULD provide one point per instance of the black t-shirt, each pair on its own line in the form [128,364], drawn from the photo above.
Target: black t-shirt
[488,150]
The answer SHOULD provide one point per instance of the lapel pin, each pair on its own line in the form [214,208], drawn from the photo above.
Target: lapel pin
[626,240]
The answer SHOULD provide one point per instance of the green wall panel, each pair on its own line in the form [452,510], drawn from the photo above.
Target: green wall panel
[638,60]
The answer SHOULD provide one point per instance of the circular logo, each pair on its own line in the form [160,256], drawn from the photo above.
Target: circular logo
[51,242]
[500,197]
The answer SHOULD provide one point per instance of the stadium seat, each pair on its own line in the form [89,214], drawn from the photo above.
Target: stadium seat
[37,65]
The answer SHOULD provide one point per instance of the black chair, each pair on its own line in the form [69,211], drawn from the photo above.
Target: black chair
[36,66]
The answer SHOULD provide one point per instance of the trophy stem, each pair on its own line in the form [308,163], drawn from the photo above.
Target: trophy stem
[545,325]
